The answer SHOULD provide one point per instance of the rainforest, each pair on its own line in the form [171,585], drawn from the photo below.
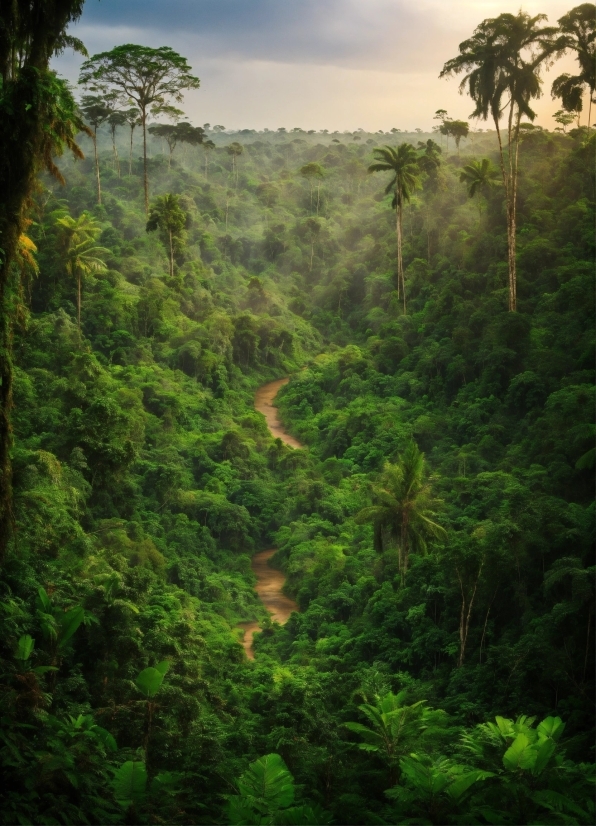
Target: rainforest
[296,447]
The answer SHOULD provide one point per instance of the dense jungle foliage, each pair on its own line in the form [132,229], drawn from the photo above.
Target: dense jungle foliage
[451,683]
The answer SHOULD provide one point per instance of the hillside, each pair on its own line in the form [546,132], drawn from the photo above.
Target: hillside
[144,481]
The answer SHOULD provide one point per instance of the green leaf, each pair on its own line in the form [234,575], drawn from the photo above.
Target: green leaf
[241,812]
[520,754]
[106,738]
[465,781]
[544,751]
[43,601]
[69,622]
[25,646]
[129,783]
[163,667]
[552,727]
[268,782]
[166,783]
[149,681]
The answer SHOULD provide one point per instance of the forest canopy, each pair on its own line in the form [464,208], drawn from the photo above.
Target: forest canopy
[430,296]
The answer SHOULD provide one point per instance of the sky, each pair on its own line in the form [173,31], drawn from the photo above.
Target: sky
[315,64]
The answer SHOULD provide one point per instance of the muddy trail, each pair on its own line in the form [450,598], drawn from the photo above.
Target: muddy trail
[270,581]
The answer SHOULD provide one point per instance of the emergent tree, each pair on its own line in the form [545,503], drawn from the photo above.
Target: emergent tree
[402,161]
[144,76]
[502,61]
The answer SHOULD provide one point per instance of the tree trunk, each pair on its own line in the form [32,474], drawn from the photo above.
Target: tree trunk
[318,197]
[145,171]
[400,257]
[79,300]
[115,151]
[464,618]
[398,234]
[97,166]
[510,202]
[130,156]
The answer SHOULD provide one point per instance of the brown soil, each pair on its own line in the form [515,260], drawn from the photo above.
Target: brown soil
[264,404]
[269,581]
[269,587]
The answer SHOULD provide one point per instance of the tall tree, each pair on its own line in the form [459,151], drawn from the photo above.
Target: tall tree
[170,219]
[403,512]
[502,61]
[38,119]
[82,256]
[133,120]
[429,162]
[235,149]
[402,162]
[310,171]
[116,119]
[95,111]
[578,28]
[458,129]
[208,147]
[145,76]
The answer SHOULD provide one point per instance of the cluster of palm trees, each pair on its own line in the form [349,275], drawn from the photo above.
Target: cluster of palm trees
[501,63]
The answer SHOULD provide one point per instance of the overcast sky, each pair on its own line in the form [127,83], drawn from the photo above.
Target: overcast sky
[334,64]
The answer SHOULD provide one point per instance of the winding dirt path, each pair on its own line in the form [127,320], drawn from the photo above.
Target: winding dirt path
[269,587]
[269,581]
[264,404]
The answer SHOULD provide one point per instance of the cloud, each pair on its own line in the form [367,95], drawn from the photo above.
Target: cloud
[312,63]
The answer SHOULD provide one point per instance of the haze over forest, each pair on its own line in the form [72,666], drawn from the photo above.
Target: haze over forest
[297,438]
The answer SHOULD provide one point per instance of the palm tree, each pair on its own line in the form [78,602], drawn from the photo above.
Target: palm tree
[77,237]
[502,61]
[402,161]
[394,728]
[404,508]
[478,176]
[579,34]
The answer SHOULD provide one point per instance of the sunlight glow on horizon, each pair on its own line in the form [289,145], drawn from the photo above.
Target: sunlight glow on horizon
[348,77]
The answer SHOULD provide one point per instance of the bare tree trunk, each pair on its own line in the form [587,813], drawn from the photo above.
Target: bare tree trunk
[400,257]
[398,234]
[486,622]
[97,166]
[318,197]
[79,300]
[130,156]
[510,198]
[464,619]
[145,171]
